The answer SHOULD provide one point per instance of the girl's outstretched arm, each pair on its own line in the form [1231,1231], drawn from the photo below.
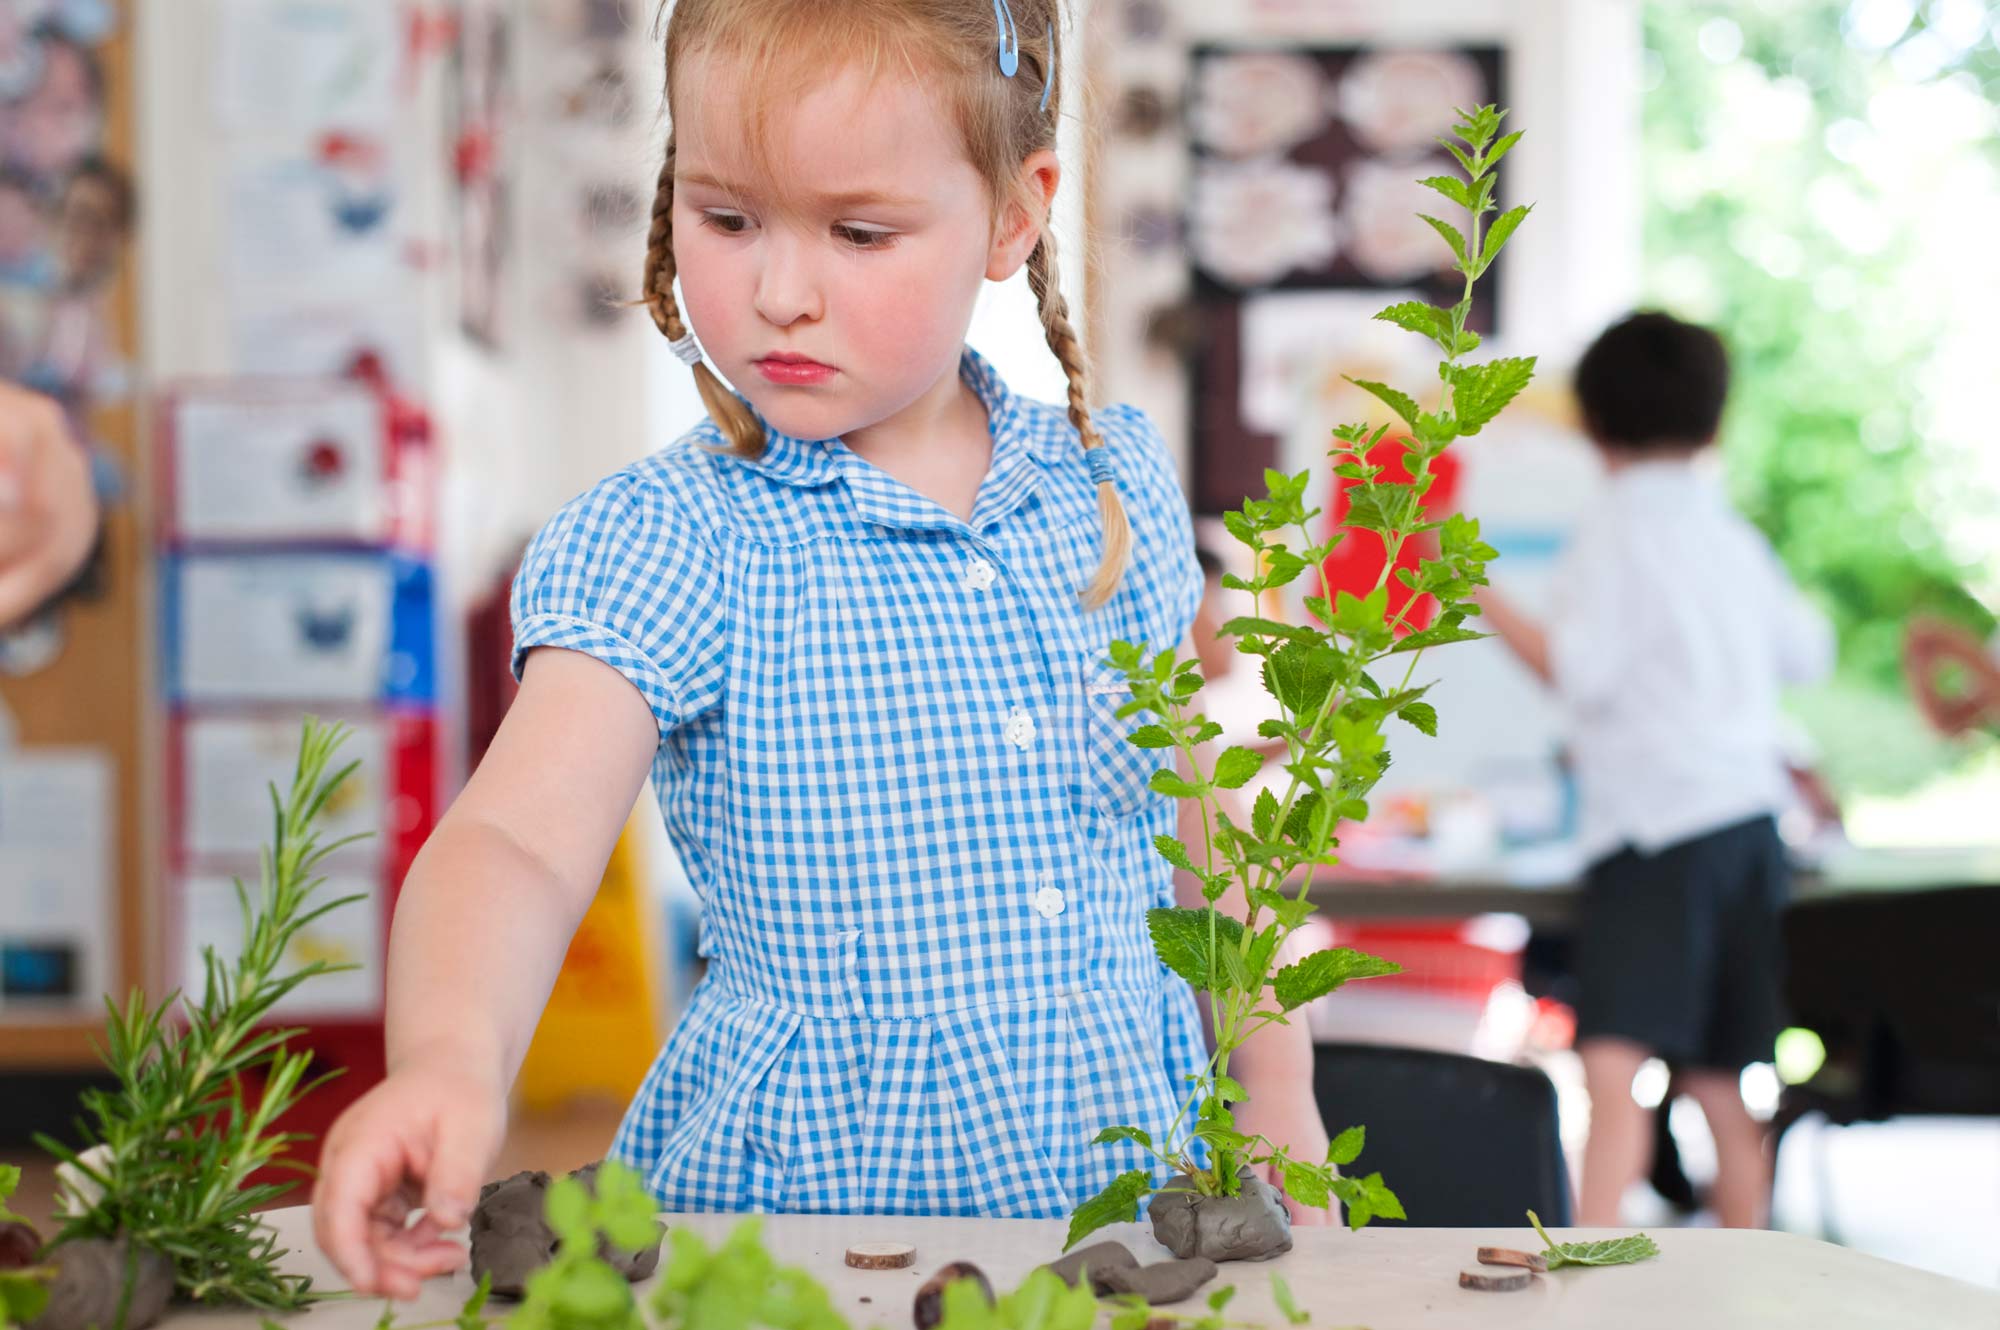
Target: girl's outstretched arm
[480,930]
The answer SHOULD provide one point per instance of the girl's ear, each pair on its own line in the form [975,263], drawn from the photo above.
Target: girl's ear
[1021,222]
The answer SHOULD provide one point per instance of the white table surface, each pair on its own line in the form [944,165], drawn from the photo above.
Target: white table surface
[1385,1278]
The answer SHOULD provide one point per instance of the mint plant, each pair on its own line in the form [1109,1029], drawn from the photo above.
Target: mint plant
[1336,682]
[174,1145]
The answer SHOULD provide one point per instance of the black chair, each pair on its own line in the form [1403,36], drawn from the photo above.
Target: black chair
[1463,1142]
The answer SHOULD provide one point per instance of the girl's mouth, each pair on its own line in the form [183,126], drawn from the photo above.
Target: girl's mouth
[794,370]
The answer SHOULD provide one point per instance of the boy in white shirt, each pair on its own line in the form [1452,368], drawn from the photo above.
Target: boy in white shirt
[1673,627]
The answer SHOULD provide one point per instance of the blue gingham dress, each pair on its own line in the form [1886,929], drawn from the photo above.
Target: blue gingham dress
[890,761]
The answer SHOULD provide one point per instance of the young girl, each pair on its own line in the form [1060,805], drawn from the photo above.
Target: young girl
[853,626]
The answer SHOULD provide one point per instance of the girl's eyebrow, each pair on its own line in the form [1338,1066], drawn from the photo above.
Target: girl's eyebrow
[838,202]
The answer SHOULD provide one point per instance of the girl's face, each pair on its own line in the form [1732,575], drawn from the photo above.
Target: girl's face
[839,304]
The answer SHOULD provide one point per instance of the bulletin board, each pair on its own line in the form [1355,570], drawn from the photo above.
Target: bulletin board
[1252,203]
[71,716]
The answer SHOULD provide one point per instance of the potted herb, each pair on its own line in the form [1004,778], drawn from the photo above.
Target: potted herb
[1337,679]
[161,1203]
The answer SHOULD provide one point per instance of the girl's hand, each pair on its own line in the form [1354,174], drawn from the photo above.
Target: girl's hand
[1290,1118]
[426,1135]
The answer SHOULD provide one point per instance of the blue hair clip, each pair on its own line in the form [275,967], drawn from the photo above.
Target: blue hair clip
[1010,55]
[1103,470]
[1049,83]
[1010,48]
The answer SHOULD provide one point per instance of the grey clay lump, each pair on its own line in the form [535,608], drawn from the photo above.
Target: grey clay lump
[1093,1261]
[1252,1225]
[90,1278]
[510,1241]
[1161,1284]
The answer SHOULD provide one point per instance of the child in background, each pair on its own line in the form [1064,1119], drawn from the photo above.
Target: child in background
[854,628]
[1672,629]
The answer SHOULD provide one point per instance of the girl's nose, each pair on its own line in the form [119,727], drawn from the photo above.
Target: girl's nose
[787,285]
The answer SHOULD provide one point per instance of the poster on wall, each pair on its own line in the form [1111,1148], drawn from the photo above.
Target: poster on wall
[66,214]
[57,838]
[1303,165]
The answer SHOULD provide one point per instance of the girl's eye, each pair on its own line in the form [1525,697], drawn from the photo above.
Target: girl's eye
[729,223]
[863,237]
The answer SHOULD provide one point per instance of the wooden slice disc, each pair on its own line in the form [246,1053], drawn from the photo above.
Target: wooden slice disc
[881,1256]
[1490,1281]
[1526,1260]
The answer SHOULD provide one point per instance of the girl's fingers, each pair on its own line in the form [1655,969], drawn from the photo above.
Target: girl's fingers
[358,1190]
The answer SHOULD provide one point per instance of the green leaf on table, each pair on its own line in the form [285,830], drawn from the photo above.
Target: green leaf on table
[1281,1294]
[469,1316]
[1324,971]
[1116,1204]
[1181,939]
[626,1211]
[1346,1147]
[1613,1251]
[1220,1298]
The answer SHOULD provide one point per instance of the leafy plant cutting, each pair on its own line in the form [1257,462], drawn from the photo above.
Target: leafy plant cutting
[162,1201]
[1334,680]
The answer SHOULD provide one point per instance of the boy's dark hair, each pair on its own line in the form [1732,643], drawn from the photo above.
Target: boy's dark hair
[1652,382]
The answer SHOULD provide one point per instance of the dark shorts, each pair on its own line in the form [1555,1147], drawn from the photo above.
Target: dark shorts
[1680,951]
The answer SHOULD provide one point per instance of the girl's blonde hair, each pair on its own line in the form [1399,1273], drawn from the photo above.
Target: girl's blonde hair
[782,47]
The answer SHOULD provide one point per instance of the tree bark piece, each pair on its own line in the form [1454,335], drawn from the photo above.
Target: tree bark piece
[1492,1281]
[882,1256]
[1526,1260]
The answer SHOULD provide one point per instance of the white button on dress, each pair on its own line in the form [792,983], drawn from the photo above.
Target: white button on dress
[979,574]
[1049,902]
[1020,729]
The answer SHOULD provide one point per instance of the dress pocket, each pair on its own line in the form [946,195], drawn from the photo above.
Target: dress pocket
[1116,772]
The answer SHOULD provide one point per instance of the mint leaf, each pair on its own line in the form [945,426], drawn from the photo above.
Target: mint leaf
[1173,852]
[1180,938]
[1451,237]
[1174,784]
[1308,1184]
[1346,1147]
[1400,402]
[1503,226]
[1451,187]
[1483,391]
[1132,1134]
[1615,1251]
[1324,971]
[1264,813]
[1236,766]
[1422,715]
[1116,1204]
[1151,736]
[1281,1294]
[1300,675]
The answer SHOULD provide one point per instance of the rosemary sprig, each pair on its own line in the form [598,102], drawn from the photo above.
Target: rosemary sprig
[175,1145]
